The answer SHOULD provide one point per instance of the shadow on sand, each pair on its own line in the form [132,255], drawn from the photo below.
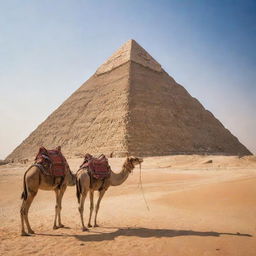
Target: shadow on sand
[144,233]
[147,232]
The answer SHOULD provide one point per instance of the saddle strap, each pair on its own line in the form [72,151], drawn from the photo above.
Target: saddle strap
[42,169]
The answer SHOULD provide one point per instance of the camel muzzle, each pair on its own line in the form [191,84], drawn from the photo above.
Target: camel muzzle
[140,160]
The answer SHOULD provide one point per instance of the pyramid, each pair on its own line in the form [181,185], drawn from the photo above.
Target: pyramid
[131,105]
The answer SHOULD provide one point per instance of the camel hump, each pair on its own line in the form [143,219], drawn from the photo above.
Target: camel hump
[98,167]
[52,160]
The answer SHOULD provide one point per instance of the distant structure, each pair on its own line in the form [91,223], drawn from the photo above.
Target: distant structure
[131,106]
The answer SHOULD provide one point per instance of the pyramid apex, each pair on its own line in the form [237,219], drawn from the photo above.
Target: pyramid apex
[129,51]
[130,41]
[133,41]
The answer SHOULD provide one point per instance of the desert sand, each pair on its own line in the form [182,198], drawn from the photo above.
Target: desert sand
[199,205]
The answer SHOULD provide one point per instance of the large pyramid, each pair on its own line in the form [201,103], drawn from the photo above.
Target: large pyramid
[131,105]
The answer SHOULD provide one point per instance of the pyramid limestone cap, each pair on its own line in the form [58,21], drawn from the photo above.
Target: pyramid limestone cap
[130,51]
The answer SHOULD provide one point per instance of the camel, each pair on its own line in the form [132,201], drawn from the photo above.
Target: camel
[83,187]
[34,179]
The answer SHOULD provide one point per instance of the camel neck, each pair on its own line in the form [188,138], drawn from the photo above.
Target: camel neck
[117,179]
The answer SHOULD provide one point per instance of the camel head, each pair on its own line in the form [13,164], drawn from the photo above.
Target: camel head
[132,160]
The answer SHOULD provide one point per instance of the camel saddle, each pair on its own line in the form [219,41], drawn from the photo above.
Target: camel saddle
[52,161]
[97,167]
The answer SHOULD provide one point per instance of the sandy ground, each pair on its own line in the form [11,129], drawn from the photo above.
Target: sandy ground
[196,208]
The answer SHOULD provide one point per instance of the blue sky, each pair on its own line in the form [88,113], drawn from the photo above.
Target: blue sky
[49,48]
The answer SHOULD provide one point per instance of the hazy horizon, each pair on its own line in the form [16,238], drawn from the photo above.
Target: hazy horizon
[48,50]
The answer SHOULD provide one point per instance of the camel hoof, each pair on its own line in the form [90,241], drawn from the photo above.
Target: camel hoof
[24,234]
[85,229]
[89,225]
[31,231]
[55,227]
[96,225]
[61,226]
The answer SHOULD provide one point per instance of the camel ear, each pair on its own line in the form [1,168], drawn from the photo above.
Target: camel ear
[59,148]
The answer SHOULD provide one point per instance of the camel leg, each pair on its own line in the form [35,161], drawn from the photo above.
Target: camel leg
[57,192]
[101,194]
[91,208]
[23,232]
[24,213]
[81,210]
[61,193]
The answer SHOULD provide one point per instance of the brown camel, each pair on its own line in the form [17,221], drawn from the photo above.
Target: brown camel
[35,179]
[83,187]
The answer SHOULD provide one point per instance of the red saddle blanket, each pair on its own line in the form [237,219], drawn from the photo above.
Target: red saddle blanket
[97,167]
[52,160]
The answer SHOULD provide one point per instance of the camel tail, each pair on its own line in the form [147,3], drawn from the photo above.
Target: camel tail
[78,189]
[24,194]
